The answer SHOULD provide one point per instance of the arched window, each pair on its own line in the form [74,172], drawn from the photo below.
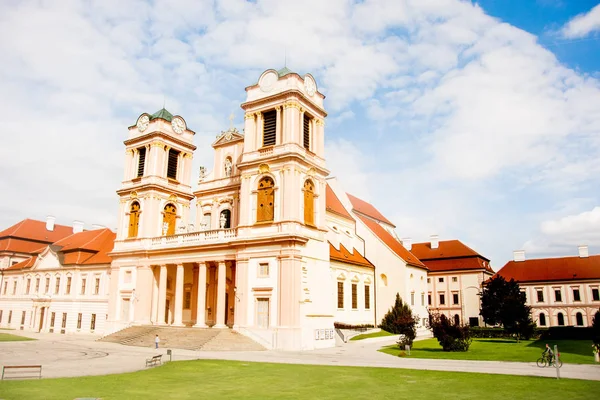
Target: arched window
[561,319]
[205,226]
[542,319]
[225,219]
[265,210]
[456,319]
[134,219]
[579,318]
[384,279]
[309,201]
[169,219]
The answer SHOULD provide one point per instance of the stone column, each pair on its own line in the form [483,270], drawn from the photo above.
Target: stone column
[162,295]
[178,296]
[242,298]
[142,306]
[154,315]
[222,276]
[201,313]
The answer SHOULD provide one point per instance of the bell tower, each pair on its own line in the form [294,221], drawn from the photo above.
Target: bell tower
[155,193]
[283,165]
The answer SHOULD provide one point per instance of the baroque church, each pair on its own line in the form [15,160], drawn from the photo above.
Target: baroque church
[277,250]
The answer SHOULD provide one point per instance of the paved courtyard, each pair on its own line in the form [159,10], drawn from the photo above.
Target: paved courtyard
[78,355]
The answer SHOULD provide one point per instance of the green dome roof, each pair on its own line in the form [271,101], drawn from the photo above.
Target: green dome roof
[284,71]
[162,113]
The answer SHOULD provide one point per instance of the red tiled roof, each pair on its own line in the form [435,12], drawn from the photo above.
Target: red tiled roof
[36,230]
[391,242]
[457,264]
[446,249]
[334,205]
[367,209]
[23,264]
[21,246]
[87,248]
[343,255]
[552,269]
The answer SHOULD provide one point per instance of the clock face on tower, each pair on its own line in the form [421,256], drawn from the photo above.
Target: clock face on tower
[143,122]
[309,85]
[178,125]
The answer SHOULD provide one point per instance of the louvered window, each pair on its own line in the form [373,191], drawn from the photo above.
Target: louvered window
[269,128]
[309,200]
[340,295]
[306,130]
[141,161]
[367,297]
[265,210]
[354,296]
[172,166]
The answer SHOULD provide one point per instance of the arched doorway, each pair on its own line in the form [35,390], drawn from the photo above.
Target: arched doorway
[169,219]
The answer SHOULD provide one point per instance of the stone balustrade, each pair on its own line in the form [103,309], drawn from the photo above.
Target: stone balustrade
[179,240]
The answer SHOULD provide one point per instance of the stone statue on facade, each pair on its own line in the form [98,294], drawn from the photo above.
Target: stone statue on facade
[222,221]
[228,167]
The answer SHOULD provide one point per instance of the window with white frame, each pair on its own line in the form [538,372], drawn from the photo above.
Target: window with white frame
[263,270]
[340,294]
[454,279]
[97,285]
[367,297]
[262,312]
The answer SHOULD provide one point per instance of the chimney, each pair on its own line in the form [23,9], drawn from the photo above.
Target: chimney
[435,242]
[519,255]
[407,243]
[50,223]
[77,226]
[583,251]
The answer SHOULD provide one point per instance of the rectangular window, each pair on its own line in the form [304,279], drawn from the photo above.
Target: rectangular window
[306,132]
[97,286]
[23,317]
[68,285]
[269,128]
[0,316]
[454,279]
[354,296]
[263,270]
[14,288]
[576,295]
[428,280]
[442,298]
[340,295]
[37,285]
[57,286]
[5,287]
[47,286]
[28,286]
[9,317]
[262,313]
[79,318]
[540,296]
[127,277]
[557,295]
[422,299]
[93,322]
[83,280]
[441,280]
[595,295]
[367,297]
[64,320]
[187,300]
[429,299]
[412,299]
[454,298]
[172,165]
[141,161]
[52,318]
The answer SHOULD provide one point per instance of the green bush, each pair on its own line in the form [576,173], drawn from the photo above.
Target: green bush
[400,321]
[363,327]
[451,336]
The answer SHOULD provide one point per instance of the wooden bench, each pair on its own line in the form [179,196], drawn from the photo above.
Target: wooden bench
[156,360]
[21,372]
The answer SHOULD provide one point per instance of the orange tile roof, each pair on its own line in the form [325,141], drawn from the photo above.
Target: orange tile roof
[87,248]
[458,264]
[552,269]
[367,209]
[343,255]
[391,242]
[446,249]
[334,205]
[21,246]
[23,264]
[31,229]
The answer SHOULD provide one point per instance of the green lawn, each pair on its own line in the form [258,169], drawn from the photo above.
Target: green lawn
[571,351]
[371,335]
[233,379]
[7,337]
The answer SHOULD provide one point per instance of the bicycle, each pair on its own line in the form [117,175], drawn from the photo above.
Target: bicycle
[548,361]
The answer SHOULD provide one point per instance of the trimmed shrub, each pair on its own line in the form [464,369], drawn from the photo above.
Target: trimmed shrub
[399,320]
[363,327]
[452,337]
[568,332]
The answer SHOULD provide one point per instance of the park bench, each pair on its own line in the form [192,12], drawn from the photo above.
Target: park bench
[156,360]
[21,371]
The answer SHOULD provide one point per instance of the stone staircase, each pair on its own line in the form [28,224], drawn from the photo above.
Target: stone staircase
[209,339]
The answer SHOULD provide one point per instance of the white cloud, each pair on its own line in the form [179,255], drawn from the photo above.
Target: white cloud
[583,24]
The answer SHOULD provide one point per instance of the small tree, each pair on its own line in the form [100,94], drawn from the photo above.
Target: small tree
[399,320]
[596,331]
[451,336]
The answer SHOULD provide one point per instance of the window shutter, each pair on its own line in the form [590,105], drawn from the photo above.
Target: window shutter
[142,161]
[172,166]
[306,138]
[269,128]
[309,200]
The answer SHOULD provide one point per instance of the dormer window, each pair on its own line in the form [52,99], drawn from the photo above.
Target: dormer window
[172,165]
[269,128]
[141,161]
[306,132]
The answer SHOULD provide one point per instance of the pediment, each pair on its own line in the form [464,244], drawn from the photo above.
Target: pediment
[227,137]
[48,259]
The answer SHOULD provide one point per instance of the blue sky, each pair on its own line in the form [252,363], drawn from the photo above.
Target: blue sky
[473,121]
